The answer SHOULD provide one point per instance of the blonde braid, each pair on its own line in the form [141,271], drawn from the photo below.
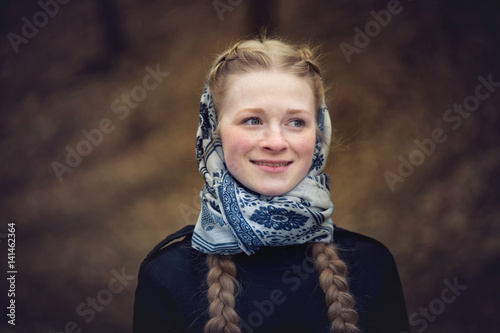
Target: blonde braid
[307,55]
[221,280]
[228,55]
[332,279]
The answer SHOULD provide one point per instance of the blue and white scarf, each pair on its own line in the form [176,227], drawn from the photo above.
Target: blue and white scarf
[234,219]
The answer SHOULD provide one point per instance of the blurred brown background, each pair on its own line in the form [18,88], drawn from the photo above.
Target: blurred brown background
[140,181]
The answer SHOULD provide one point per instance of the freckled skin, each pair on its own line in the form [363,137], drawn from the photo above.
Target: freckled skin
[268,130]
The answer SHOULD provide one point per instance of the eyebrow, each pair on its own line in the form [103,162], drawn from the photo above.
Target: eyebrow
[254,110]
[295,111]
[261,110]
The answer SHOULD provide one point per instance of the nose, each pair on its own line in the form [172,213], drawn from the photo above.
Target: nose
[274,140]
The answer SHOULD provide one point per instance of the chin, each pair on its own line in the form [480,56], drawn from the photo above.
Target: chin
[272,191]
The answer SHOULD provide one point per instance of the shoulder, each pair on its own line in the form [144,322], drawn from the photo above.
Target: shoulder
[374,281]
[171,241]
[362,251]
[170,281]
[173,256]
[349,240]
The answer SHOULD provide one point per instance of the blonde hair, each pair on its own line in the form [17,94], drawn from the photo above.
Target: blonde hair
[221,280]
[261,55]
[332,280]
[246,57]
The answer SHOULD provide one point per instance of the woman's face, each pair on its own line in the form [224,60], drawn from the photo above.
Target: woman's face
[268,130]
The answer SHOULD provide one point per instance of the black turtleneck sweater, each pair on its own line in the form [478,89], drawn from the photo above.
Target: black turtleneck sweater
[279,288]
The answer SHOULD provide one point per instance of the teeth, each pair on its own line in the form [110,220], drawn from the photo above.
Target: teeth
[272,164]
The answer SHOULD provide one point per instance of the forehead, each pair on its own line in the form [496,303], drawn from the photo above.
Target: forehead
[268,90]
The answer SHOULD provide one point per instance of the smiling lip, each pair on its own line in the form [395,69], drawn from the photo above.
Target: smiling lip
[274,166]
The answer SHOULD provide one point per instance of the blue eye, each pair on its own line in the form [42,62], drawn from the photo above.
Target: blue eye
[252,121]
[297,123]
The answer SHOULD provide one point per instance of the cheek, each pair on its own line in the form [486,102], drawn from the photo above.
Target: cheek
[231,149]
[235,146]
[305,147]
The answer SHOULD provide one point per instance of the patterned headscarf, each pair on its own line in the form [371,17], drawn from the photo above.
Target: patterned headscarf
[234,219]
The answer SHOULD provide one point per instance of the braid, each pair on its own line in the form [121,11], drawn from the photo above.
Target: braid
[228,55]
[307,55]
[221,280]
[332,279]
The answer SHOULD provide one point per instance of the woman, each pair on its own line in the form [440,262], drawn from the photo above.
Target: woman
[264,255]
